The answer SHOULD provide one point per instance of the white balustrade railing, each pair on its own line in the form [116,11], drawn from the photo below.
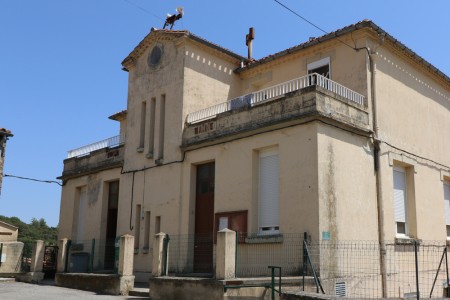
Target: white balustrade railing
[274,92]
[107,143]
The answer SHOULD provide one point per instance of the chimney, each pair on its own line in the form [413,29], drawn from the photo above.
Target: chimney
[248,41]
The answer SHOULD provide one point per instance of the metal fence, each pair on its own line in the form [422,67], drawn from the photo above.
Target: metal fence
[111,142]
[184,261]
[353,269]
[91,256]
[364,269]
[12,258]
[255,253]
[275,92]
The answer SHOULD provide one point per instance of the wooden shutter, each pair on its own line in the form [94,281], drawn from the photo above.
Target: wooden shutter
[400,194]
[447,203]
[268,190]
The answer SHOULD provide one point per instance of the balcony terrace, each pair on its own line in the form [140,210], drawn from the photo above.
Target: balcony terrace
[102,155]
[294,102]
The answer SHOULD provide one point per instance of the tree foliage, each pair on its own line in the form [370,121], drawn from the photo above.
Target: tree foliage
[36,230]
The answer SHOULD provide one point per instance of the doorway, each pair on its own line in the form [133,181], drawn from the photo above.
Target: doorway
[111,224]
[204,219]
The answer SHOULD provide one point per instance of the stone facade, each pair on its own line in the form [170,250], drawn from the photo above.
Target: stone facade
[336,143]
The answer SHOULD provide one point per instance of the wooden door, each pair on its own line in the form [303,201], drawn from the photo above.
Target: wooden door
[204,219]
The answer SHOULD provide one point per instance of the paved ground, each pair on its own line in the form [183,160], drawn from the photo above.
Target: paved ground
[10,290]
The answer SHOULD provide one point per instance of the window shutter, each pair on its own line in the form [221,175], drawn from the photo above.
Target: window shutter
[268,189]
[447,203]
[399,195]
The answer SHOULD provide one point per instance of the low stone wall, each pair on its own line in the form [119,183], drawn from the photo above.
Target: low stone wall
[189,288]
[167,288]
[99,283]
[306,296]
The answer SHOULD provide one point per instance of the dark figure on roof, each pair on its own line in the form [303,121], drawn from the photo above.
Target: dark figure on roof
[172,18]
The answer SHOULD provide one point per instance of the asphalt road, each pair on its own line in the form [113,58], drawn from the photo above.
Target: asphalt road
[10,290]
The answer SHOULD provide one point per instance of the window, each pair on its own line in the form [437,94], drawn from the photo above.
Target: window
[142,129]
[147,231]
[157,224]
[321,67]
[447,207]
[137,227]
[162,116]
[400,201]
[236,221]
[268,192]
[82,199]
[151,138]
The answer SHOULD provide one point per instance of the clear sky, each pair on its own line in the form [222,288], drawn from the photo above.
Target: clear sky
[61,76]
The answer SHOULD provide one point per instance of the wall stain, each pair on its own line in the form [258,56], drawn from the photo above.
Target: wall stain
[93,189]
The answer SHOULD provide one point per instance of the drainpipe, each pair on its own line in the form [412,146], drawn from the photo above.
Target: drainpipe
[378,178]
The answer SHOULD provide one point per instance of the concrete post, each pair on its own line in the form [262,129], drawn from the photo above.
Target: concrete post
[62,249]
[226,254]
[126,255]
[37,256]
[158,255]
[37,260]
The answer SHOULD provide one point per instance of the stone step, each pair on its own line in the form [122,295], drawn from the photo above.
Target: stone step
[139,291]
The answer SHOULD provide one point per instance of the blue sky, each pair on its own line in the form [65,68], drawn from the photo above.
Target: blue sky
[61,75]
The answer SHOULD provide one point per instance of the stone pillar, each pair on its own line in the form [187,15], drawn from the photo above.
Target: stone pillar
[158,255]
[226,254]
[37,256]
[126,255]
[62,249]
[37,260]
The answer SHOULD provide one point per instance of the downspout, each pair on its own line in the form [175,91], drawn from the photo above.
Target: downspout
[378,178]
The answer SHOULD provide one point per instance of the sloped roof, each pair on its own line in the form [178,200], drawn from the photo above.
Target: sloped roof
[118,116]
[8,225]
[340,32]
[145,43]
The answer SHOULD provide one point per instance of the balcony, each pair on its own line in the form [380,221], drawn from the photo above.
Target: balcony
[274,92]
[95,157]
[111,142]
[311,97]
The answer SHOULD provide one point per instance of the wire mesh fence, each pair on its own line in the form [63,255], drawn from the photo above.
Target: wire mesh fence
[353,269]
[91,256]
[255,253]
[12,258]
[372,270]
[191,254]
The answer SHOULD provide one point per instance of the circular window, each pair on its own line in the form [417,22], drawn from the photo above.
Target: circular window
[154,57]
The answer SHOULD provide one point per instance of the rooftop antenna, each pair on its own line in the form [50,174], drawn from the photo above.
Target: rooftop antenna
[248,41]
[170,19]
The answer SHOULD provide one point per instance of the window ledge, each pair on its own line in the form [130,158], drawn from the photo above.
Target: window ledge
[145,250]
[264,239]
[136,250]
[140,149]
[405,240]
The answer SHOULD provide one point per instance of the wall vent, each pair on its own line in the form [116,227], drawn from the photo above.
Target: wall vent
[340,289]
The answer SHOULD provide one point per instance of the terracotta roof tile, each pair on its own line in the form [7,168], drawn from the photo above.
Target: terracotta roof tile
[119,115]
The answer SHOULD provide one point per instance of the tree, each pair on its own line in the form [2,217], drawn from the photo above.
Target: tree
[36,230]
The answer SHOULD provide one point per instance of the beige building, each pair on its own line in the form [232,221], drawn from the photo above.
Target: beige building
[8,232]
[342,137]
